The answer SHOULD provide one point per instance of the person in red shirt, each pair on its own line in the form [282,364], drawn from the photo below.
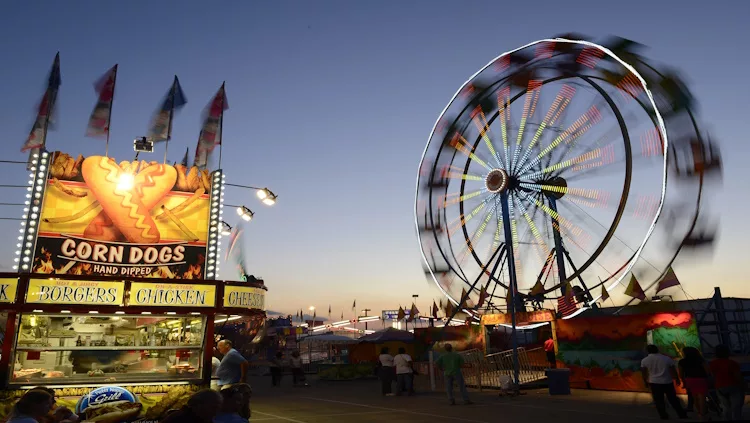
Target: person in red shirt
[729,383]
[549,348]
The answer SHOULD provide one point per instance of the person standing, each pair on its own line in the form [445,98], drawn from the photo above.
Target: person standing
[659,373]
[233,366]
[549,349]
[403,365]
[298,373]
[729,383]
[387,372]
[450,363]
[693,372]
[276,367]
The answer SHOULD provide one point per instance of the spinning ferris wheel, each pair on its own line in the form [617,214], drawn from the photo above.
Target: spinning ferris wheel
[546,174]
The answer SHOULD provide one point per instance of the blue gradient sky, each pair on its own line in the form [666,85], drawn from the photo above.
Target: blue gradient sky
[331,103]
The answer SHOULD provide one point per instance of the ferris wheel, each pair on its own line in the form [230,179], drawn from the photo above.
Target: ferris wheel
[546,172]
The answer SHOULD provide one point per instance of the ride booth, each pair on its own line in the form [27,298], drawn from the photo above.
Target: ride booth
[113,303]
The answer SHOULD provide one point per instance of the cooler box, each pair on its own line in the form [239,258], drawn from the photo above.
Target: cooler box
[558,381]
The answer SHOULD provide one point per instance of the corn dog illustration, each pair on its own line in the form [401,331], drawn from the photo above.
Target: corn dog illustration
[119,199]
[152,183]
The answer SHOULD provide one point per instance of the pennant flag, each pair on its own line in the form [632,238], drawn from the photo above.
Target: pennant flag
[669,280]
[342,315]
[45,112]
[401,314]
[448,309]
[413,312]
[210,135]
[605,294]
[537,289]
[329,311]
[354,305]
[482,296]
[434,310]
[185,157]
[463,298]
[634,289]
[102,113]
[315,314]
[161,124]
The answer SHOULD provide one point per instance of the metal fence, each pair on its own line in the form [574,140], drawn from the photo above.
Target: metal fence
[492,371]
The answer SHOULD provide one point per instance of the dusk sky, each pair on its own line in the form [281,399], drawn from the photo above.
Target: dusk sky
[331,104]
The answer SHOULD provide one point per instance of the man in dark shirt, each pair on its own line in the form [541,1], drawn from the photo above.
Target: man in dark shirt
[202,407]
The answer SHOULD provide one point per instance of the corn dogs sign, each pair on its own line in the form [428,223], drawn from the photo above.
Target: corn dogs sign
[132,219]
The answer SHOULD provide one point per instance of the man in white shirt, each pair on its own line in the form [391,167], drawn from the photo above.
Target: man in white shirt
[659,373]
[404,379]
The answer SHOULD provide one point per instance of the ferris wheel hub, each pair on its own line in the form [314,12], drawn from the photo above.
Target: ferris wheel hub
[497,180]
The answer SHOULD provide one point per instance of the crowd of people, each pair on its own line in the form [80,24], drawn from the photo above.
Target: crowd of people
[704,382]
[400,368]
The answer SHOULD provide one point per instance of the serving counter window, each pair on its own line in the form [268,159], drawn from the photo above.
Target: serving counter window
[94,348]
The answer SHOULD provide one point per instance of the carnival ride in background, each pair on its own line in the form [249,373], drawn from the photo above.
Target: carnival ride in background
[556,171]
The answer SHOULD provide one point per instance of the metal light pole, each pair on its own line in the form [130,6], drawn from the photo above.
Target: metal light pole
[365,311]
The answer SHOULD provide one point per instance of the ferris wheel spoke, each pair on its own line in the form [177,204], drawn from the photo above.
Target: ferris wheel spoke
[591,197]
[577,129]
[459,143]
[596,157]
[564,223]
[451,199]
[562,100]
[540,246]
[480,120]
[478,232]
[454,172]
[529,107]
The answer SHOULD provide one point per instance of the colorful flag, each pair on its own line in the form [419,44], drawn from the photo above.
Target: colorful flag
[100,116]
[45,112]
[669,280]
[161,124]
[634,289]
[434,310]
[401,314]
[605,294]
[210,135]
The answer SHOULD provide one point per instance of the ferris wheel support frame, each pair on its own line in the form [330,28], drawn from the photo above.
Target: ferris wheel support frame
[513,282]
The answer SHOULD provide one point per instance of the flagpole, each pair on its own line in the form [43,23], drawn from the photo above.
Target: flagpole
[50,104]
[111,105]
[221,121]
[171,115]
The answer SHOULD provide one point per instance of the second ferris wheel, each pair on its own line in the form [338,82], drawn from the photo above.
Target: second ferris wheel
[545,174]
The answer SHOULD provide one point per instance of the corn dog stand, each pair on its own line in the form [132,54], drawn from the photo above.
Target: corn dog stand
[93,314]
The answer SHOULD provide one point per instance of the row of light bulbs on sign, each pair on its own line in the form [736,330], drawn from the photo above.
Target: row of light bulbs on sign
[30,218]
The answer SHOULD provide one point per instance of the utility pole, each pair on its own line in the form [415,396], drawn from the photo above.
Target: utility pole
[366,311]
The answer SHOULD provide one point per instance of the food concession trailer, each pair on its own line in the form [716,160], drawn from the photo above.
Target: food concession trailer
[116,300]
